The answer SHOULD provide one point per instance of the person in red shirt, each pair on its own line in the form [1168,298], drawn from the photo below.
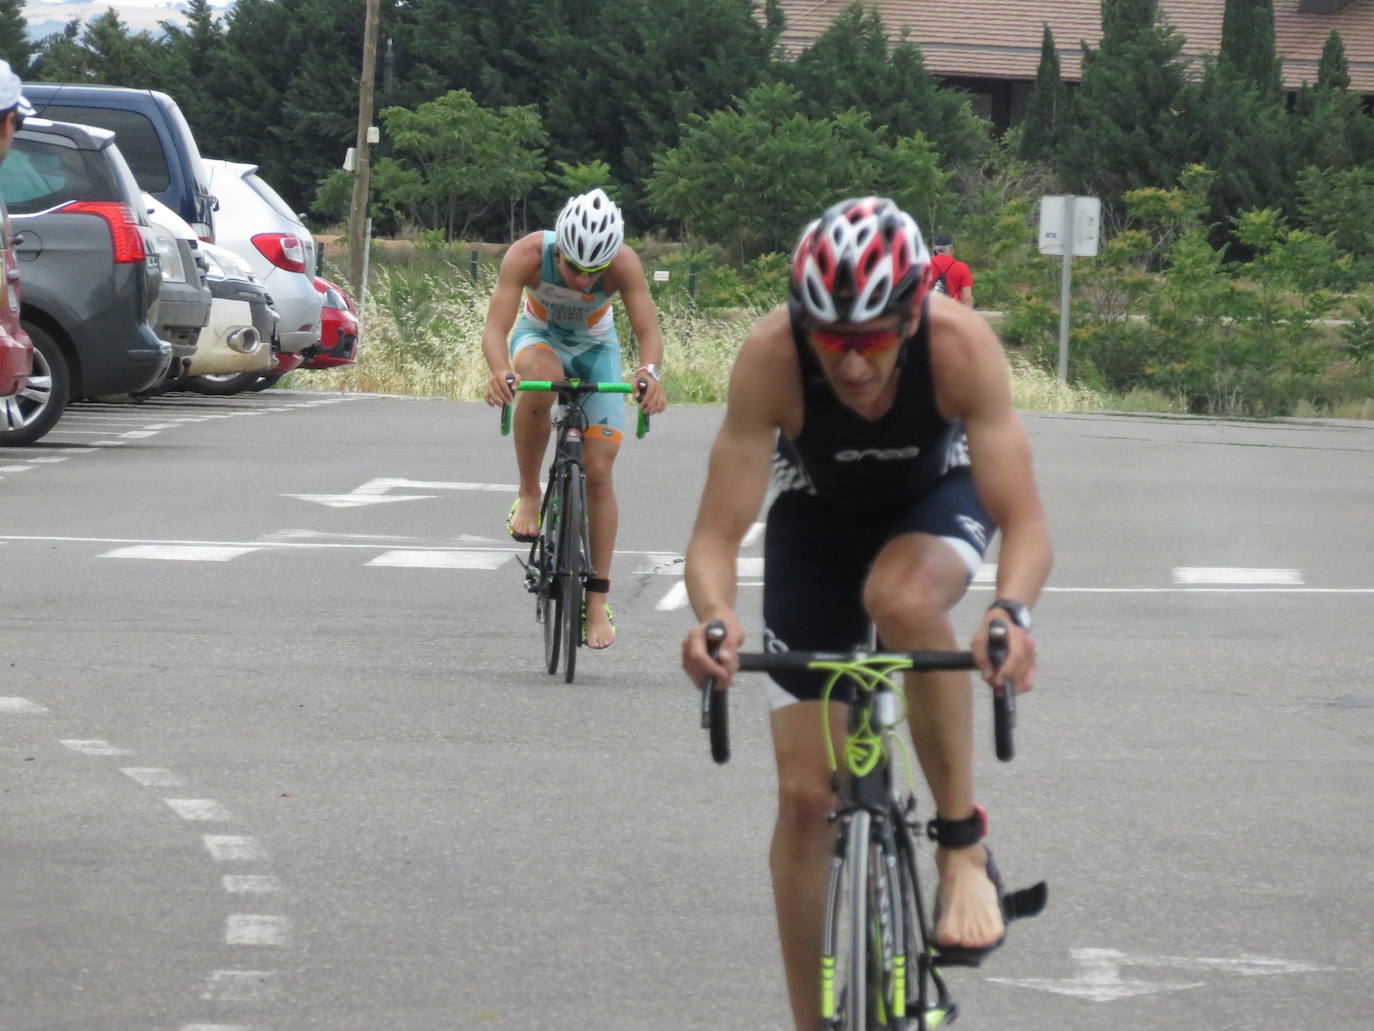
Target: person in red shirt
[950,273]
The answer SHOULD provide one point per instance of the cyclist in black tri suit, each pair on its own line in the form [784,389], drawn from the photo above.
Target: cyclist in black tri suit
[880,416]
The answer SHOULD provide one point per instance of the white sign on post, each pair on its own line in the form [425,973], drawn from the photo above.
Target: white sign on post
[1087,220]
[1075,219]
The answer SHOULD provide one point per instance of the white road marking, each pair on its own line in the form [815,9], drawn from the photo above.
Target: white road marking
[1099,977]
[95,746]
[1098,980]
[180,552]
[256,929]
[676,598]
[18,705]
[1225,575]
[138,434]
[753,534]
[108,443]
[375,492]
[244,986]
[250,884]
[986,574]
[49,460]
[215,1027]
[15,468]
[198,809]
[442,559]
[235,848]
[153,776]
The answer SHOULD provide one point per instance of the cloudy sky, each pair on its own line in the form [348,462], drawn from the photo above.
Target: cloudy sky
[49,15]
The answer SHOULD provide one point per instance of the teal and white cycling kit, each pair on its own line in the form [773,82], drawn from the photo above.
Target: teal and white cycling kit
[579,328]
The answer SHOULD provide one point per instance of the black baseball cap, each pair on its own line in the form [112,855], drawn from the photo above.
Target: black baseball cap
[944,240]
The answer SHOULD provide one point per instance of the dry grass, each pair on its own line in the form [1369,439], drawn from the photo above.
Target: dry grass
[423,330]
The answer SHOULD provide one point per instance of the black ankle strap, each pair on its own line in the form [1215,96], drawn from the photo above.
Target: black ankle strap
[959,833]
[598,586]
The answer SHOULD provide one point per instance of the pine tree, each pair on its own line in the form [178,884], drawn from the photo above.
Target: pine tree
[1123,132]
[1247,45]
[1333,70]
[15,46]
[853,64]
[1042,126]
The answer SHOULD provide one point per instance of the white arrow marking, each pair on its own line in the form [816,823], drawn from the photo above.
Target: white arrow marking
[356,500]
[374,492]
[1099,979]
[1248,966]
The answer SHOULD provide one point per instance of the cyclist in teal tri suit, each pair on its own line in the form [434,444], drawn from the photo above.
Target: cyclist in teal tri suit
[565,329]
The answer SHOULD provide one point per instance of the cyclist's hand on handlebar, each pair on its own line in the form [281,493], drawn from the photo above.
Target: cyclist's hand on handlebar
[1020,665]
[501,388]
[649,393]
[697,661]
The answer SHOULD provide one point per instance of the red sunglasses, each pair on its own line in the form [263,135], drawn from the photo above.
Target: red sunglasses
[873,342]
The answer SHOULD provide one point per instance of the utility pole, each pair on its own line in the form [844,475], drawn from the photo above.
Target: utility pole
[362,166]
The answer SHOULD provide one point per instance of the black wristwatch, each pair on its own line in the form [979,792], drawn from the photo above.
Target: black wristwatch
[1017,611]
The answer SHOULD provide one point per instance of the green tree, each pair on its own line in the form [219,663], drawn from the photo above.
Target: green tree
[15,46]
[754,175]
[471,160]
[1124,132]
[1048,108]
[1333,70]
[1247,45]
[852,65]
[1242,134]
[572,180]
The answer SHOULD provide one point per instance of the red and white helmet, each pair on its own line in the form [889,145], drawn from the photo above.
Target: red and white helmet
[862,259]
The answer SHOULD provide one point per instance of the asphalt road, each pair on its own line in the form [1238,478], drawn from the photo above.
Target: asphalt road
[276,753]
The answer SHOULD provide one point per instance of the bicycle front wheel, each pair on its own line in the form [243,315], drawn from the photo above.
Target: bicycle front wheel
[550,583]
[573,564]
[846,993]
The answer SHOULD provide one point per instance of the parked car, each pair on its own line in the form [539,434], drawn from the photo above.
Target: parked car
[18,400]
[260,227]
[152,134]
[236,345]
[338,343]
[183,304]
[89,269]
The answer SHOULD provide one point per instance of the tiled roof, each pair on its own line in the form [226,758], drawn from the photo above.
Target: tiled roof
[1000,39]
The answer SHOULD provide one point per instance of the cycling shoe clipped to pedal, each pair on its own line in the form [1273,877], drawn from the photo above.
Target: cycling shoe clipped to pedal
[1025,902]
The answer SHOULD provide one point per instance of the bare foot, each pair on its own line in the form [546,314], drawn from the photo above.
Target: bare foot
[525,522]
[600,632]
[970,911]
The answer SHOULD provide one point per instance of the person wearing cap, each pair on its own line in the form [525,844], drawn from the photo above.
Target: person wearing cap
[952,277]
[13,107]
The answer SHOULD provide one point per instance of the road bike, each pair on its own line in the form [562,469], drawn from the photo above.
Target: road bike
[880,967]
[559,562]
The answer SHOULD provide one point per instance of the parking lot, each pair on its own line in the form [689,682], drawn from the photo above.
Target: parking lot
[280,753]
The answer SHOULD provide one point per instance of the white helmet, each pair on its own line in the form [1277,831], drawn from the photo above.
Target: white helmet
[590,230]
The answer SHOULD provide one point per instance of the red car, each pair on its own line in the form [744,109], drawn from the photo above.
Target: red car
[338,329]
[16,350]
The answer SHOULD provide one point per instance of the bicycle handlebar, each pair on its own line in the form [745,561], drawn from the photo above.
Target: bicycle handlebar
[714,713]
[572,387]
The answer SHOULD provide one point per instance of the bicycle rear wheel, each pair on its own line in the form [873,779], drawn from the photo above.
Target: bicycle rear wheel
[574,565]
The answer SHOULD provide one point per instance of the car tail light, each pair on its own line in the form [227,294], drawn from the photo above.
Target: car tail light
[282,249]
[125,232]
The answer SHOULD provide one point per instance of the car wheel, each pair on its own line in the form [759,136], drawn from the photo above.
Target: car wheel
[33,411]
[222,385]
